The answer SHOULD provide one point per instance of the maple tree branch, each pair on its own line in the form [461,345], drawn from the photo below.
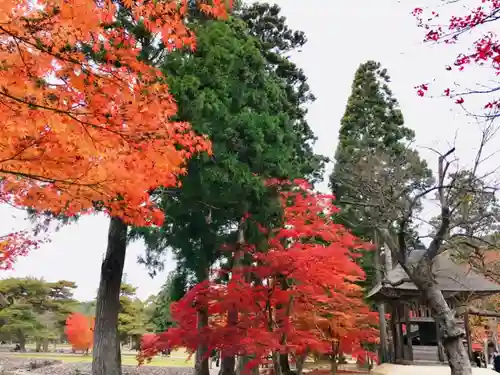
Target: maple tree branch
[64,112]
[47,180]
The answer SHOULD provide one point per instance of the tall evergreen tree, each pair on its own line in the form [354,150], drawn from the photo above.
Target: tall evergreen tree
[226,90]
[276,42]
[372,141]
[376,170]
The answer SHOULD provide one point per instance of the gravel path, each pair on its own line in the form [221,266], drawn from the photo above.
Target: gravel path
[8,364]
[84,369]
[27,366]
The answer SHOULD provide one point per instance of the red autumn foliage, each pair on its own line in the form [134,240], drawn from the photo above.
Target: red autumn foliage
[297,294]
[484,51]
[14,245]
[80,331]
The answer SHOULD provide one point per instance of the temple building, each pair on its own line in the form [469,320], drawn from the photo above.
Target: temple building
[413,335]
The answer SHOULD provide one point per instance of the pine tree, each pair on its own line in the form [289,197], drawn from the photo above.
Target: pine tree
[372,141]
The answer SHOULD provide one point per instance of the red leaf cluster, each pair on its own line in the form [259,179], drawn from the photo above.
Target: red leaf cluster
[14,245]
[80,331]
[485,51]
[297,293]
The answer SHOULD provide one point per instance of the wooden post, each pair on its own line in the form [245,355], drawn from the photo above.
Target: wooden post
[495,334]
[485,352]
[398,344]
[394,334]
[408,332]
[467,335]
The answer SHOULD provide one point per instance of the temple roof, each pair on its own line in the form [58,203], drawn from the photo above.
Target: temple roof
[451,277]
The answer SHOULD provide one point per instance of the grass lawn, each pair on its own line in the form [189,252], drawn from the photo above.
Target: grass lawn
[126,359]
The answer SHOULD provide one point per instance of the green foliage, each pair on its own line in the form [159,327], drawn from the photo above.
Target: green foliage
[224,90]
[371,122]
[376,171]
[173,290]
[230,90]
[276,41]
[86,307]
[37,308]
[133,317]
[19,320]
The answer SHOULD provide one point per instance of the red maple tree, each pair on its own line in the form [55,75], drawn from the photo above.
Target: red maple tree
[296,295]
[80,331]
[484,51]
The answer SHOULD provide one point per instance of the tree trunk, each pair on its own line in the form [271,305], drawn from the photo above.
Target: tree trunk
[228,365]
[38,346]
[301,359]
[451,333]
[202,358]
[106,355]
[45,345]
[277,364]
[22,341]
[334,358]
[284,363]
[229,361]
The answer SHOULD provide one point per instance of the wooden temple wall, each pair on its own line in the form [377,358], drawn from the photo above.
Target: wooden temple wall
[406,315]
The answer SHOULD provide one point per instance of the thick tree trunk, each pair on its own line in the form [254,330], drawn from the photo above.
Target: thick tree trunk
[202,358]
[106,354]
[45,345]
[451,333]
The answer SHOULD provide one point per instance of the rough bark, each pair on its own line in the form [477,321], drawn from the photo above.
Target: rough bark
[106,354]
[201,365]
[451,333]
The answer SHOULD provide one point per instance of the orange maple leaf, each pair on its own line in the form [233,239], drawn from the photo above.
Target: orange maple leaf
[76,133]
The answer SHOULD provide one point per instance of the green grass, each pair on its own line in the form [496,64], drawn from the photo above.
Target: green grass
[126,359]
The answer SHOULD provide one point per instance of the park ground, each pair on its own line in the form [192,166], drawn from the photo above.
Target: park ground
[67,363]
[178,358]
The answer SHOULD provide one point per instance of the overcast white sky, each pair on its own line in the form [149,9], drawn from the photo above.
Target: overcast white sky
[342,34]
